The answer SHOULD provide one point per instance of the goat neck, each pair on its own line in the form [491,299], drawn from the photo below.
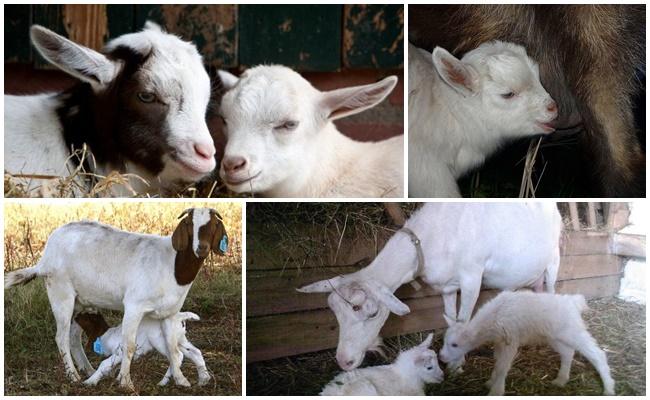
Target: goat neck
[186,266]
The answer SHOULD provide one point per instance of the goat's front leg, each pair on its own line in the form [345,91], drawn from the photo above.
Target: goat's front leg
[449,300]
[194,354]
[77,350]
[104,369]
[130,324]
[175,356]
[470,288]
[168,374]
[504,355]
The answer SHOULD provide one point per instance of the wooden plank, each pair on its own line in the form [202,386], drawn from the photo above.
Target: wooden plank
[584,266]
[575,219]
[373,36]
[304,37]
[618,216]
[585,243]
[86,24]
[16,28]
[296,333]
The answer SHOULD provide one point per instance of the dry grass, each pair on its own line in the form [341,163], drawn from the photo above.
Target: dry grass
[619,328]
[32,365]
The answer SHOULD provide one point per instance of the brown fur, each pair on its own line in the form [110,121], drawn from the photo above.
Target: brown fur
[587,56]
[186,263]
[94,325]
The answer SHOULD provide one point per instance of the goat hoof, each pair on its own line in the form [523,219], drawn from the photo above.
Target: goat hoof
[163,382]
[126,383]
[183,382]
[204,380]
[496,392]
[90,382]
[559,381]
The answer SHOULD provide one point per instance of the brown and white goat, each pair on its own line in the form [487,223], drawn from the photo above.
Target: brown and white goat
[89,265]
[587,55]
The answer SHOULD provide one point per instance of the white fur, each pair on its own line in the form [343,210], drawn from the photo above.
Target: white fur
[88,265]
[312,159]
[33,133]
[454,127]
[514,319]
[407,376]
[150,337]
[465,245]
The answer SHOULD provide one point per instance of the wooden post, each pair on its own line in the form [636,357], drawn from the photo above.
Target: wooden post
[86,24]
[591,216]
[618,216]
[575,219]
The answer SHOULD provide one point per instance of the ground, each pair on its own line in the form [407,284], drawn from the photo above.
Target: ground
[619,328]
[33,367]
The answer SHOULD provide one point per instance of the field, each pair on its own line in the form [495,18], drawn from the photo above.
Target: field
[32,364]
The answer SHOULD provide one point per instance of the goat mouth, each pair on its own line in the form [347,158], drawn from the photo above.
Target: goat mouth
[197,169]
[235,182]
[547,127]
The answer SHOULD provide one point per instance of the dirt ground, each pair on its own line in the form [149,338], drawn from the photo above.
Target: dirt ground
[619,328]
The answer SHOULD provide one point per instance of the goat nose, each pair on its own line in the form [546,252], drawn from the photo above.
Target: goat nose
[234,163]
[204,150]
[551,107]
[203,246]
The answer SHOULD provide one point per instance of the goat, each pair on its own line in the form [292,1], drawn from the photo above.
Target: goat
[407,376]
[282,142]
[464,246]
[587,55]
[514,319]
[139,107]
[460,111]
[107,341]
[89,265]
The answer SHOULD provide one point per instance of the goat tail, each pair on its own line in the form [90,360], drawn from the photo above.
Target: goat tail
[21,276]
[183,316]
[579,302]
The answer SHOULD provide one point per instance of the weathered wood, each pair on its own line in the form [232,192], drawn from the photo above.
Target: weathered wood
[618,216]
[628,245]
[304,37]
[591,216]
[575,219]
[373,36]
[586,242]
[86,24]
[296,333]
[585,266]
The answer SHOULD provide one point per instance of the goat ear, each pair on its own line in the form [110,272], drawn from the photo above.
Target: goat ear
[152,26]
[324,286]
[461,77]
[228,80]
[348,101]
[427,342]
[217,238]
[79,61]
[390,300]
[450,322]
[181,236]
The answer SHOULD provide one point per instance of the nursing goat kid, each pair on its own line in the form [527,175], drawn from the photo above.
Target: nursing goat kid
[89,265]
[512,319]
[139,107]
[461,111]
[282,142]
[464,246]
[107,341]
[407,376]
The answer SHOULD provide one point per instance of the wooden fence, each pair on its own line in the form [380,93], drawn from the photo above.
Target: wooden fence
[283,322]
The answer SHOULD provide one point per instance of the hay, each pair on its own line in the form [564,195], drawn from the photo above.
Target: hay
[619,328]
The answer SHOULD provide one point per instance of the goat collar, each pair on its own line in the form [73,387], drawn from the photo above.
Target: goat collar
[418,249]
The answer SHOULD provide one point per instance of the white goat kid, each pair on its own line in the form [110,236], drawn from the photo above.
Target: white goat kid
[139,107]
[465,246]
[107,341]
[88,265]
[513,319]
[282,141]
[461,111]
[407,376]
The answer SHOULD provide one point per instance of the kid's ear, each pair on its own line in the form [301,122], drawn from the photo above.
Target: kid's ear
[341,103]
[460,76]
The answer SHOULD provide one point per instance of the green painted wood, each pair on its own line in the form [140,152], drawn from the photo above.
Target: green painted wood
[304,37]
[373,36]
[121,19]
[17,21]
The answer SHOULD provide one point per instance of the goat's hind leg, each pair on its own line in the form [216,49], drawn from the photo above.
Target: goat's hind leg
[77,350]
[566,353]
[587,346]
[175,355]
[62,299]
[105,368]
[194,354]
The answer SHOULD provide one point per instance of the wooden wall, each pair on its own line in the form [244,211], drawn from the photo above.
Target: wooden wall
[282,322]
[305,37]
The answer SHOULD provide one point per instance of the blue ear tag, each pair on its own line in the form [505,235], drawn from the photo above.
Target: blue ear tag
[97,347]
[223,244]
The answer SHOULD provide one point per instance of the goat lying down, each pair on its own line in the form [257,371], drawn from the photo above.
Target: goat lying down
[407,376]
[89,265]
[107,341]
[513,319]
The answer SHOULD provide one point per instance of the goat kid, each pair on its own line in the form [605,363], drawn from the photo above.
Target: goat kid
[89,265]
[106,341]
[282,142]
[407,376]
[461,111]
[139,107]
[514,319]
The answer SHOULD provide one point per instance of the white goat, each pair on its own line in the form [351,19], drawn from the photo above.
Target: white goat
[465,246]
[461,111]
[139,107]
[282,141]
[513,319]
[107,341]
[89,265]
[407,376]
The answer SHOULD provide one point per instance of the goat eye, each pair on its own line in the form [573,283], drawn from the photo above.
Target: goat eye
[356,308]
[288,125]
[146,97]
[373,315]
[223,121]
[454,345]
[429,368]
[508,95]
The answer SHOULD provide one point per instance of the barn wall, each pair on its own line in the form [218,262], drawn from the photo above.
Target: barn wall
[282,322]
